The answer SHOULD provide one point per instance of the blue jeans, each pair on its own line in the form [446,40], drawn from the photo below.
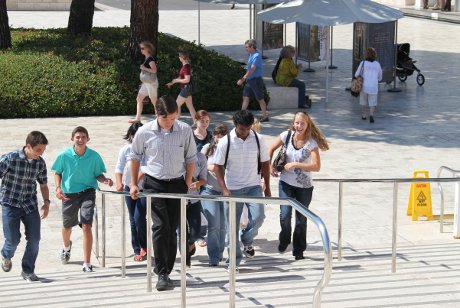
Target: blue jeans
[193,223]
[214,213]
[11,219]
[299,241]
[256,217]
[137,212]
[301,86]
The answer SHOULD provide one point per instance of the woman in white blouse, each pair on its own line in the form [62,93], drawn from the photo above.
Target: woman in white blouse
[302,150]
[372,74]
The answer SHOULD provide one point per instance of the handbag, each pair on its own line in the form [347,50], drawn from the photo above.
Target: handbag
[281,158]
[147,77]
[357,83]
[192,86]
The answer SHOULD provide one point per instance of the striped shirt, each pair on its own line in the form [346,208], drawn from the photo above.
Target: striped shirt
[19,180]
[166,151]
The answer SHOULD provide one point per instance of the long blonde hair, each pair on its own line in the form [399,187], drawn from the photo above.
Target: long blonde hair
[312,132]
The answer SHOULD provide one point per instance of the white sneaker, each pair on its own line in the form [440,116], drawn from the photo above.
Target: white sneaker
[236,269]
[87,268]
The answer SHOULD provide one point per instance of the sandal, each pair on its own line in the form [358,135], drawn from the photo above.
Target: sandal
[138,258]
[143,253]
[201,243]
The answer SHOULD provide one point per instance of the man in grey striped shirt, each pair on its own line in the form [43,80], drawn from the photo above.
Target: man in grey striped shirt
[170,154]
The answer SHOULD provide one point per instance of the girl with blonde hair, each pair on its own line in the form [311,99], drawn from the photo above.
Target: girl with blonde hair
[303,141]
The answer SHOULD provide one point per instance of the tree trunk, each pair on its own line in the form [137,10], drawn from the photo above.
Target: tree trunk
[81,17]
[144,26]
[5,34]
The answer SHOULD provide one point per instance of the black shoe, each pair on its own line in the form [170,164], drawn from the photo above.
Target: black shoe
[304,106]
[163,282]
[363,117]
[249,252]
[371,119]
[6,264]
[299,257]
[282,248]
[264,119]
[29,277]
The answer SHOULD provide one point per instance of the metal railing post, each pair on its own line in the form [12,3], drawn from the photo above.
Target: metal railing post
[395,227]
[184,249]
[103,230]
[96,231]
[123,238]
[456,230]
[232,265]
[149,244]
[340,211]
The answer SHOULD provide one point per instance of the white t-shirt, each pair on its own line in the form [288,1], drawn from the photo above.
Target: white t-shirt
[242,163]
[298,177]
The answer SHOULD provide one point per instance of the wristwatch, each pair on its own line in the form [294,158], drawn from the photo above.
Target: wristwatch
[47,200]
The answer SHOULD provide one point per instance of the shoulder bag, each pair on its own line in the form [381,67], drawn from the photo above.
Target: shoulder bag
[281,159]
[357,83]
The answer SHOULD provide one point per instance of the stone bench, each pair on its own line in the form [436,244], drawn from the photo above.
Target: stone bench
[281,97]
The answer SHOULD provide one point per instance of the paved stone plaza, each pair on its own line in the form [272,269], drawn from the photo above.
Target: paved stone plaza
[415,129]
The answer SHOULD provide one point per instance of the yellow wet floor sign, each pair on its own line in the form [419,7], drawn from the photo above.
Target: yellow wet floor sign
[420,198]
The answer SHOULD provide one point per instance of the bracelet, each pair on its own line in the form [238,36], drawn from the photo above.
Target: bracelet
[57,187]
[47,200]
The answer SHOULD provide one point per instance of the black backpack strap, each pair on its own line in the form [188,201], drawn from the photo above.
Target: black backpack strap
[259,164]
[228,150]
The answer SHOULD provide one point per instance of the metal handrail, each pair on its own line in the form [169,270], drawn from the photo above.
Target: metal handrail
[232,200]
[395,182]
[455,173]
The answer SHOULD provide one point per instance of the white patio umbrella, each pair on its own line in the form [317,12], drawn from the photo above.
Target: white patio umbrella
[329,13]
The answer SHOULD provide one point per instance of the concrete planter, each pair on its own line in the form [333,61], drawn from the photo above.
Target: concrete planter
[38,5]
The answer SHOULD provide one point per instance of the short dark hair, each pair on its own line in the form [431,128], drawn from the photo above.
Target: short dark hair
[371,54]
[165,106]
[35,138]
[132,130]
[80,129]
[243,117]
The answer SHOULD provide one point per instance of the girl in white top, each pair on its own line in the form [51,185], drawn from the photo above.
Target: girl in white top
[136,208]
[372,74]
[302,150]
[214,210]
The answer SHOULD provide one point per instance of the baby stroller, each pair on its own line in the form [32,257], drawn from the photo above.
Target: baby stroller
[405,66]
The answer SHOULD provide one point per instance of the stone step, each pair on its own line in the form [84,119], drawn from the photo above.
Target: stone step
[426,276]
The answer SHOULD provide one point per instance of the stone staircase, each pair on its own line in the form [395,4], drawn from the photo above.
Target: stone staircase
[427,276]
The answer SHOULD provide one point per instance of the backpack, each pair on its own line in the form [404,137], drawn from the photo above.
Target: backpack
[275,70]
[259,164]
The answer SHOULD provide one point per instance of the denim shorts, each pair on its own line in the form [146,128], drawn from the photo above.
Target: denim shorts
[254,86]
[184,92]
[82,202]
